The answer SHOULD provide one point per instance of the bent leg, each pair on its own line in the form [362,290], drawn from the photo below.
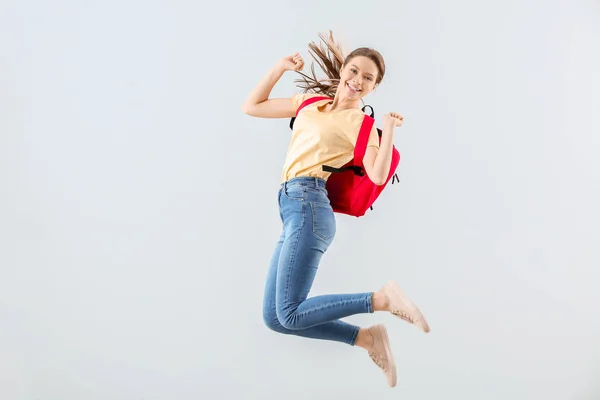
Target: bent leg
[301,253]
[337,331]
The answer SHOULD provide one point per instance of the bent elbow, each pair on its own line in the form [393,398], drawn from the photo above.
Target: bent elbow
[377,180]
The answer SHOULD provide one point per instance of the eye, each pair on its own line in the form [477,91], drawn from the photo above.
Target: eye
[369,78]
[353,70]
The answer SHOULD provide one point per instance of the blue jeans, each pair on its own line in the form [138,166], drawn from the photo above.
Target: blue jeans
[308,230]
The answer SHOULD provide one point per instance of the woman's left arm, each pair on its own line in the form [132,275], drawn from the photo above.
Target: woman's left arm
[377,161]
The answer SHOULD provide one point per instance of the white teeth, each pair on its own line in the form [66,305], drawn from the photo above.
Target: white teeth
[353,88]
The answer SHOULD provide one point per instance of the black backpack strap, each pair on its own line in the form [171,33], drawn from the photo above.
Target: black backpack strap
[372,113]
[357,170]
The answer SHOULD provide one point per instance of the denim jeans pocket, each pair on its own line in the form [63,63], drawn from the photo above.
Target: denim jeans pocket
[294,192]
[323,220]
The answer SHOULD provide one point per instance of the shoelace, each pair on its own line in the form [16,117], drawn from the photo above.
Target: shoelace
[403,315]
[377,360]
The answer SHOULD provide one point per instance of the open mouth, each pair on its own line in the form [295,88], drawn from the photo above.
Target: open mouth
[352,88]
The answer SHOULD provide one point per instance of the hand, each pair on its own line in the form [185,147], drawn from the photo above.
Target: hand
[295,62]
[393,120]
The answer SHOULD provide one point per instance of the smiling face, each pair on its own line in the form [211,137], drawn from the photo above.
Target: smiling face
[358,77]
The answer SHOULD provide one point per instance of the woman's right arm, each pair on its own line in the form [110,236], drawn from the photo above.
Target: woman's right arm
[258,103]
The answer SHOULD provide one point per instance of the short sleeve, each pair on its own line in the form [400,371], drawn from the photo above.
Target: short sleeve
[357,120]
[299,98]
[373,138]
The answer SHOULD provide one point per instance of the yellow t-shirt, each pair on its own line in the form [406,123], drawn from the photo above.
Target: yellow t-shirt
[322,138]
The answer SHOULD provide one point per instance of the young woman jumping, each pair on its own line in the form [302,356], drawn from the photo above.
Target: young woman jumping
[325,132]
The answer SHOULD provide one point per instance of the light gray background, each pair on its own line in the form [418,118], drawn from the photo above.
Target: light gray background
[138,204]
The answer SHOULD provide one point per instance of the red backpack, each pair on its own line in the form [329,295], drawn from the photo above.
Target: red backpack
[354,193]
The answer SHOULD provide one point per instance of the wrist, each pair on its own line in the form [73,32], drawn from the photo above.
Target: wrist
[279,67]
[389,126]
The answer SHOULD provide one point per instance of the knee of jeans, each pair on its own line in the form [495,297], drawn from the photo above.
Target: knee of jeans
[286,319]
[271,321]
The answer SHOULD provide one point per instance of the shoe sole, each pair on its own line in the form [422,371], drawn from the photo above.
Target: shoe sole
[418,315]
